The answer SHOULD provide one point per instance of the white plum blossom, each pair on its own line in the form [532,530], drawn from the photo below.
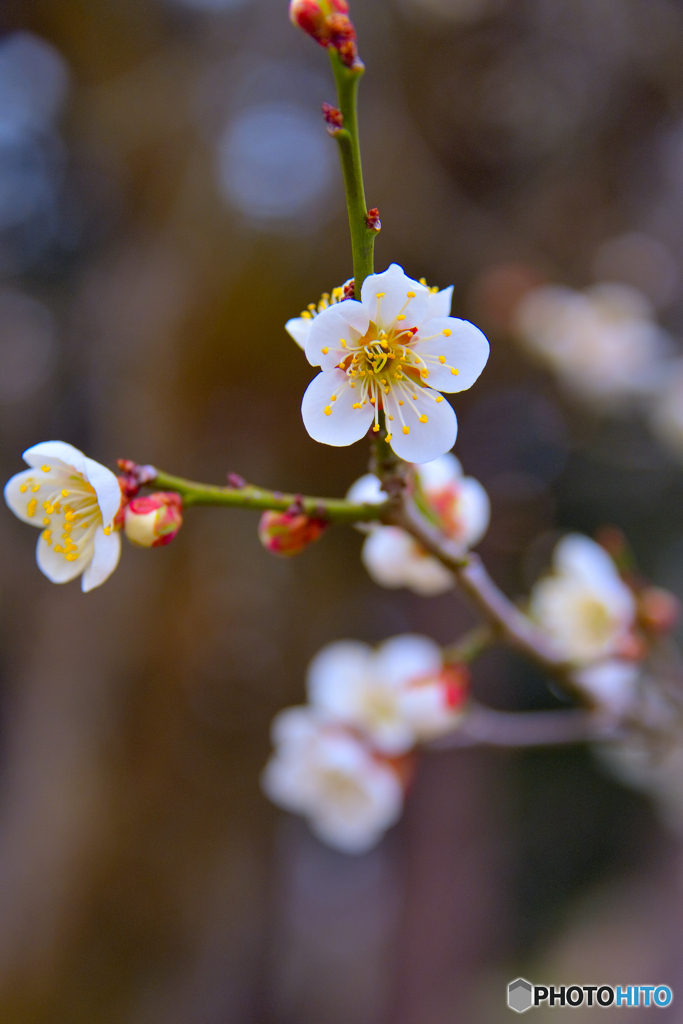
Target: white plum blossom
[603,343]
[390,352]
[299,326]
[396,695]
[395,559]
[612,684]
[73,500]
[349,795]
[584,606]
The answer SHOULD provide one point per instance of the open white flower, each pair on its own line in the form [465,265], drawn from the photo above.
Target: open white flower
[603,343]
[584,605]
[397,695]
[73,500]
[321,770]
[394,558]
[390,352]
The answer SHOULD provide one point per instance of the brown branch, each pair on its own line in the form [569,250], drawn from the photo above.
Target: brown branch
[482,725]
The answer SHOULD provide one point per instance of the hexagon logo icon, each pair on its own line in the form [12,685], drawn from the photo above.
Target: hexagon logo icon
[520,995]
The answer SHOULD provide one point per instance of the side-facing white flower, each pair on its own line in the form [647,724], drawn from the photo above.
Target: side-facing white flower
[603,343]
[349,795]
[612,684]
[390,352]
[73,500]
[584,605]
[394,558]
[396,695]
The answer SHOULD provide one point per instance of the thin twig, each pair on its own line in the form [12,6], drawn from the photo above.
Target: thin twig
[482,725]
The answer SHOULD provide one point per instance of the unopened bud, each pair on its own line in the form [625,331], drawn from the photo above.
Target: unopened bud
[455,680]
[327,22]
[372,220]
[288,533]
[658,609]
[153,521]
[334,118]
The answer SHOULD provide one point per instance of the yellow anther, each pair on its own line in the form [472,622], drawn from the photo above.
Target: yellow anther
[376,427]
[65,494]
[424,372]
[342,343]
[107,531]
[305,315]
[442,359]
[414,398]
[411,295]
[446,332]
[311,306]
[71,557]
[391,417]
[325,297]
[423,281]
[455,372]
[46,521]
[327,410]
[23,488]
[423,418]
[406,430]
[45,469]
[352,385]
[333,398]
[400,401]
[356,405]
[36,487]
[59,549]
[380,295]
[324,351]
[439,399]
[47,536]
[401,316]
[337,293]
[389,437]
[31,507]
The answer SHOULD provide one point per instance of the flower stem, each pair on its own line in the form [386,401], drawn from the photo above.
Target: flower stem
[362,237]
[470,645]
[249,496]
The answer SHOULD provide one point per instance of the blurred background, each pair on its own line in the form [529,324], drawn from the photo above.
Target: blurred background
[168,199]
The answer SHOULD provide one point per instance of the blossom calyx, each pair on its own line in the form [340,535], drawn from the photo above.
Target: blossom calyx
[154,520]
[288,533]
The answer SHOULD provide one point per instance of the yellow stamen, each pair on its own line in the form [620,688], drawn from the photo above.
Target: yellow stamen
[45,469]
[423,418]
[31,507]
[401,316]
[324,351]
[23,488]
[65,494]
[47,536]
[327,410]
[455,372]
[46,521]
[376,427]
[442,359]
[400,401]
[411,295]
[406,430]
[107,531]
[424,372]
[389,437]
[439,399]
[333,398]
[446,332]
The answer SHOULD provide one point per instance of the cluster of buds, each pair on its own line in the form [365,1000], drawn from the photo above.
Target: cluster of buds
[328,22]
[288,533]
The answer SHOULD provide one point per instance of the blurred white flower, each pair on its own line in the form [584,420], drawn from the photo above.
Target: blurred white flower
[349,795]
[612,684]
[394,558]
[390,352]
[584,605]
[73,500]
[397,694]
[602,343]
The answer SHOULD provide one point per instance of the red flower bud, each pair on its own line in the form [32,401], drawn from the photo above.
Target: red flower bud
[455,680]
[327,22]
[288,533]
[153,521]
[658,609]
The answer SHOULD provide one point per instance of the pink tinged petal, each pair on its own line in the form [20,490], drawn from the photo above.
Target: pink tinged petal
[107,551]
[48,451]
[404,659]
[298,329]
[345,321]
[439,303]
[342,424]
[426,438]
[56,567]
[106,487]
[394,286]
[335,676]
[440,473]
[465,349]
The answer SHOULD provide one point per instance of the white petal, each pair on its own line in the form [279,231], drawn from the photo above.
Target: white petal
[612,683]
[343,424]
[106,487]
[336,673]
[298,328]
[474,511]
[438,474]
[428,577]
[465,350]
[424,441]
[19,500]
[583,558]
[405,659]
[426,709]
[56,567]
[385,555]
[367,490]
[49,450]
[293,726]
[105,559]
[345,321]
[439,303]
[394,286]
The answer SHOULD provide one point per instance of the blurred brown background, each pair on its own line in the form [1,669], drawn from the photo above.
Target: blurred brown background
[168,199]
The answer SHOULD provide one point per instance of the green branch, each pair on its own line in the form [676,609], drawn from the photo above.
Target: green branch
[249,496]
[362,237]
